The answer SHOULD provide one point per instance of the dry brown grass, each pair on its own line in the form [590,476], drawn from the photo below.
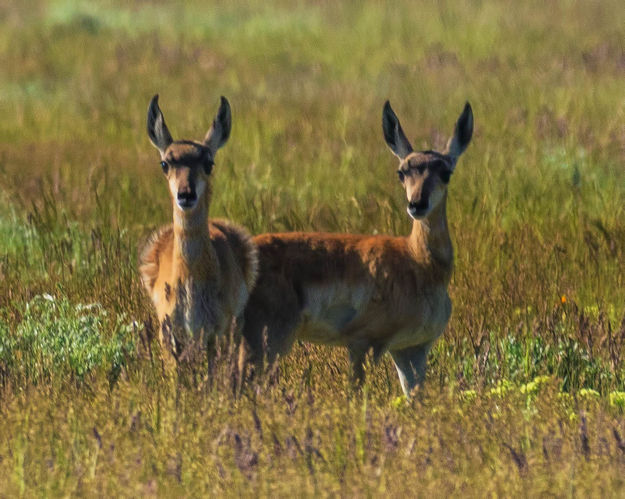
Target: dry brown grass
[536,209]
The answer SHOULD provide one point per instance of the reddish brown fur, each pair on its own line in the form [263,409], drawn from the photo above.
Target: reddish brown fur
[396,274]
[363,292]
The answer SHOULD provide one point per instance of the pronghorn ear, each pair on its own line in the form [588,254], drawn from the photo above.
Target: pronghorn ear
[219,131]
[393,134]
[157,129]
[462,133]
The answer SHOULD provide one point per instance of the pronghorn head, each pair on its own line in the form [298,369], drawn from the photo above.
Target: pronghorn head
[188,164]
[425,174]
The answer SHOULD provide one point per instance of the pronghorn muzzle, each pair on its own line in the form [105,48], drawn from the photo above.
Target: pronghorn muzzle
[418,209]
[186,198]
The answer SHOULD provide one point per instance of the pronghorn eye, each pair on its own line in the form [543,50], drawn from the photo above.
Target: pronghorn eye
[208,167]
[164,166]
[400,174]
[421,169]
[445,175]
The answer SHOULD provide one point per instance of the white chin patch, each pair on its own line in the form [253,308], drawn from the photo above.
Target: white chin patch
[186,207]
[420,216]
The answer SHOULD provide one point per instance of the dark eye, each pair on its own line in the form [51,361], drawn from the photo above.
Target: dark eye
[421,169]
[208,167]
[164,166]
[400,174]
[445,175]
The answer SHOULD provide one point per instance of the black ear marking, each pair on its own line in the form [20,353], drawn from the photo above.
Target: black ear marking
[219,132]
[463,132]
[389,124]
[465,125]
[393,133]
[157,129]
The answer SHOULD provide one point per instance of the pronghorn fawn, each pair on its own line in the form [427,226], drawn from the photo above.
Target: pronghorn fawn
[380,293]
[198,272]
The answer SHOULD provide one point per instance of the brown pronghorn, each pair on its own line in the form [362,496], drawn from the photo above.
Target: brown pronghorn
[365,292]
[198,272]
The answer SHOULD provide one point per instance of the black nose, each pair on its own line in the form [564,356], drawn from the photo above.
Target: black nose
[419,206]
[186,198]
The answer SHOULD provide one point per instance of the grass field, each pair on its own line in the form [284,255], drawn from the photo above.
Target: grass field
[525,393]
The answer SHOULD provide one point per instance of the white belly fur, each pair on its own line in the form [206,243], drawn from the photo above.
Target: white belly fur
[330,308]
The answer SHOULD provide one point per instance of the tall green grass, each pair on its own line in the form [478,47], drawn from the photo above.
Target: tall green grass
[524,391]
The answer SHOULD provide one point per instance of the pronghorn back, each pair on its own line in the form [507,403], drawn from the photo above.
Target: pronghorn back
[338,281]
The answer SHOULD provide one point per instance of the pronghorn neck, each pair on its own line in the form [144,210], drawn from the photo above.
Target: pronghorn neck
[430,239]
[193,252]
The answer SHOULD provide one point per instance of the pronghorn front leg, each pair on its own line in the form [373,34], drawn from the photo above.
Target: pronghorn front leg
[410,365]
[358,356]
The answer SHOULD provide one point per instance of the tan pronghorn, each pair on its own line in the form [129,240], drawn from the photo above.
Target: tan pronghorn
[198,272]
[365,292]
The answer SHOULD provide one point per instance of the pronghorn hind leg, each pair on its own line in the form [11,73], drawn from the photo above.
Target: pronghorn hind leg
[357,358]
[359,347]
[410,364]
[269,330]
